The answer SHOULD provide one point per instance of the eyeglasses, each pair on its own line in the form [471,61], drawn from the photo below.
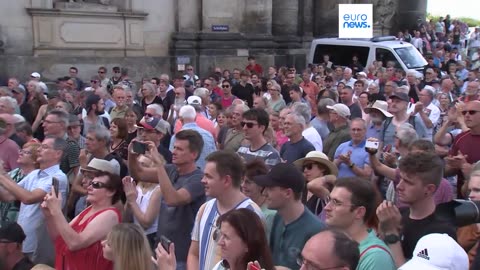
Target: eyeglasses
[471,112]
[177,94]
[189,68]
[335,203]
[101,72]
[148,115]
[310,266]
[308,166]
[248,124]
[226,86]
[94,81]
[24,152]
[98,185]
[206,84]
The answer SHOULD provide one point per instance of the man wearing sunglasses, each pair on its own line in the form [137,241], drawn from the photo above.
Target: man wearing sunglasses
[11,256]
[465,150]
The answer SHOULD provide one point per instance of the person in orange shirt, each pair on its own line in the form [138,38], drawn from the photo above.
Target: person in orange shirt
[311,90]
[200,120]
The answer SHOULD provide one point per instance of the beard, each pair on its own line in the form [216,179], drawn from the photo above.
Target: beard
[97,112]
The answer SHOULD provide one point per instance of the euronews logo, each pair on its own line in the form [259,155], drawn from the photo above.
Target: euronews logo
[355,21]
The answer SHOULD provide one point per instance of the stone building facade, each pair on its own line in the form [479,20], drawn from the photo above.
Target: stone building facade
[154,36]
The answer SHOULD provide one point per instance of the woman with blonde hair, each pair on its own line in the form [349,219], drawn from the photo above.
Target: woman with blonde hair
[27,162]
[127,247]
[143,202]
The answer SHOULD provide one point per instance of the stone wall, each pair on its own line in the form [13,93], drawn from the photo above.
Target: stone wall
[16,27]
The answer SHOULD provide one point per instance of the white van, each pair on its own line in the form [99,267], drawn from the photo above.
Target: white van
[382,49]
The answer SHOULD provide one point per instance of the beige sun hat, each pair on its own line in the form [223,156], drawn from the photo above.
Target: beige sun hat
[318,157]
[381,106]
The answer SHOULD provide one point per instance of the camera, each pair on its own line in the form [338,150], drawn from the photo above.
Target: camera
[460,212]
[371,147]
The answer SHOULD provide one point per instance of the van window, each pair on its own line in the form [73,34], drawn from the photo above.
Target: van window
[385,56]
[340,54]
[411,57]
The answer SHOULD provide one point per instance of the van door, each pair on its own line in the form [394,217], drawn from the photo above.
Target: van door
[341,54]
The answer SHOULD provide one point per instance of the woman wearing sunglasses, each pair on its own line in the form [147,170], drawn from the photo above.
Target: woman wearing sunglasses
[320,174]
[78,243]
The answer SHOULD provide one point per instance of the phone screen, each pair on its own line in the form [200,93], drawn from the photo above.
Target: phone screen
[165,242]
[139,147]
[55,185]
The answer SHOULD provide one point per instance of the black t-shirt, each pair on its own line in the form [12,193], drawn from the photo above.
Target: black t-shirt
[244,93]
[413,230]
[23,264]
[167,155]
[156,100]
[355,111]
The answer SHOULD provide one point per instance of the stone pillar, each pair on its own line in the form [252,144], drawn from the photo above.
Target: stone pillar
[257,17]
[306,15]
[408,12]
[326,17]
[189,16]
[285,18]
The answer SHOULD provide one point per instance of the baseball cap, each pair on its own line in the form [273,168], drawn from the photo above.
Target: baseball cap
[35,75]
[194,100]
[101,165]
[18,90]
[341,109]
[437,252]
[157,124]
[12,232]
[401,96]
[282,175]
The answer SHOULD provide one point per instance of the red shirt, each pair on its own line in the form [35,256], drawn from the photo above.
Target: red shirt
[257,68]
[90,257]
[202,122]
[469,145]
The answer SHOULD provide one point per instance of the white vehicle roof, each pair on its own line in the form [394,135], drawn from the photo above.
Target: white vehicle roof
[361,42]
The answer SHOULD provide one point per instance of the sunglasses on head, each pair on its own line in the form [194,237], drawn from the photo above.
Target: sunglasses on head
[248,124]
[471,112]
[98,185]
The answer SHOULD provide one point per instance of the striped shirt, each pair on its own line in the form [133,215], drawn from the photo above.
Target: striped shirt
[266,153]
[205,226]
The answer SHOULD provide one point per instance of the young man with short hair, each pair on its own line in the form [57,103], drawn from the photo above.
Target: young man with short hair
[255,123]
[222,179]
[420,176]
[351,207]
[293,224]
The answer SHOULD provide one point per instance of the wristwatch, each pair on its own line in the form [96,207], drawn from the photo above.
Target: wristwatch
[351,165]
[391,238]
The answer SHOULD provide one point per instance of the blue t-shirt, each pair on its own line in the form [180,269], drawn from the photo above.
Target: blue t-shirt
[293,151]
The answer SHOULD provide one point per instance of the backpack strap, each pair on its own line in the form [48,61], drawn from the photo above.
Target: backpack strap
[386,123]
[375,246]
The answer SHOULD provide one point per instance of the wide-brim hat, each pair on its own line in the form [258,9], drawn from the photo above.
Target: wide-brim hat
[318,157]
[381,106]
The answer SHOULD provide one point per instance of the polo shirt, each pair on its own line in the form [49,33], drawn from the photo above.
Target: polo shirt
[359,157]
[288,240]
[374,132]
[375,254]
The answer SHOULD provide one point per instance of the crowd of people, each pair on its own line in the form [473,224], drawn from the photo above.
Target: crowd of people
[328,168]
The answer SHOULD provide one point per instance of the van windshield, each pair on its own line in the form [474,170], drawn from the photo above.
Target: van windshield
[411,57]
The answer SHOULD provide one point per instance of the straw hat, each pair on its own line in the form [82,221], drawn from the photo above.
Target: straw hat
[381,106]
[318,157]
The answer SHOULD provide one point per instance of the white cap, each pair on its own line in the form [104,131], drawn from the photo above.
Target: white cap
[102,165]
[437,252]
[35,75]
[361,73]
[194,100]
[341,109]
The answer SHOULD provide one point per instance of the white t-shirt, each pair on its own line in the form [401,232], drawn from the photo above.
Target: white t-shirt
[311,135]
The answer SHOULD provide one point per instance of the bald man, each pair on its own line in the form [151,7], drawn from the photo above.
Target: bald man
[330,249]
[471,92]
[465,150]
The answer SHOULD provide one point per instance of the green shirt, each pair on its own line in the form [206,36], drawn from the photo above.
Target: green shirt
[375,258]
[269,216]
[287,241]
[334,139]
